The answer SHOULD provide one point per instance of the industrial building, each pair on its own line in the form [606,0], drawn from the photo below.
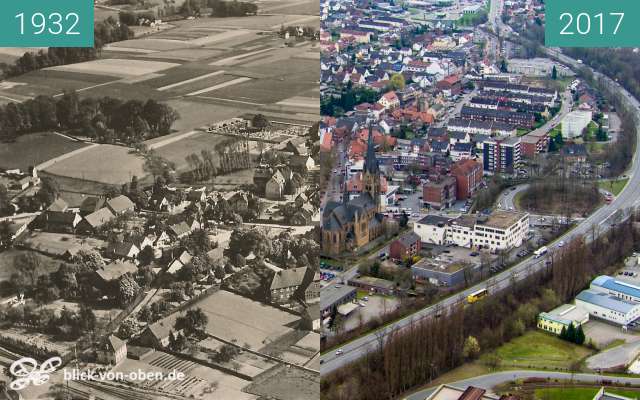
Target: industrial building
[607,307]
[537,67]
[555,320]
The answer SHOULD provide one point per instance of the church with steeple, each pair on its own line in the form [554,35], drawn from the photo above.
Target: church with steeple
[352,223]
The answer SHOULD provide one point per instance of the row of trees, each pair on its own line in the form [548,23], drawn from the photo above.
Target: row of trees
[105,32]
[573,334]
[426,349]
[219,8]
[106,120]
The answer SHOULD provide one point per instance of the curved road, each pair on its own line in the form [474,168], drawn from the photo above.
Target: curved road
[598,222]
[492,380]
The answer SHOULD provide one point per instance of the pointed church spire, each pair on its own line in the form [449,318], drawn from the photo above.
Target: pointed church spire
[370,162]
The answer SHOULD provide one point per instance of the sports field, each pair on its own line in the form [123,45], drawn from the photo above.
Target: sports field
[104,163]
[33,149]
[256,325]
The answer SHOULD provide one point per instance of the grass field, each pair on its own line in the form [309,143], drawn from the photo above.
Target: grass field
[104,163]
[538,350]
[613,186]
[8,262]
[579,393]
[33,149]
[177,151]
[122,68]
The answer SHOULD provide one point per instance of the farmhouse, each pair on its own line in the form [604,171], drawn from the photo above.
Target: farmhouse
[110,273]
[123,250]
[157,334]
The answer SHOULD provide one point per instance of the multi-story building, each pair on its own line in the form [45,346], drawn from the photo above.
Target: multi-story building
[502,230]
[408,245]
[468,176]
[534,143]
[440,193]
[501,155]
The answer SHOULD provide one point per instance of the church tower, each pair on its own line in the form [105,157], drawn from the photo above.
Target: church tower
[371,173]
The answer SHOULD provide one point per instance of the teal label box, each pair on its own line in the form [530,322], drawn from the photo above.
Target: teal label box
[592,23]
[46,23]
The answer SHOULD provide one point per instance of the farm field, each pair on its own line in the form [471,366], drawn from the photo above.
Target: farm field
[122,68]
[104,163]
[33,149]
[256,325]
[194,114]
[50,82]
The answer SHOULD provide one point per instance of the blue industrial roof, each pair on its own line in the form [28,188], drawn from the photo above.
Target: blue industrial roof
[606,301]
[610,283]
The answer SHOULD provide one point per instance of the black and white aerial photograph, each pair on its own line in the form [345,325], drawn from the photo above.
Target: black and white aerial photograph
[160,206]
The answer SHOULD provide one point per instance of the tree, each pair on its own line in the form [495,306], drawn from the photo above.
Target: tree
[554,73]
[471,348]
[397,82]
[259,121]
[579,337]
[503,65]
[194,320]
[571,333]
[127,289]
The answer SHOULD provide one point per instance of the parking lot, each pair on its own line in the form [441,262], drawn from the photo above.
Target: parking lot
[373,307]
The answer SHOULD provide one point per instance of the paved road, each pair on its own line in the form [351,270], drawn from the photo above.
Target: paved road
[491,380]
[507,198]
[598,222]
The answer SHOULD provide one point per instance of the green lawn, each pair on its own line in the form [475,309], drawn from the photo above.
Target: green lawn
[522,132]
[612,186]
[536,349]
[579,393]
[556,131]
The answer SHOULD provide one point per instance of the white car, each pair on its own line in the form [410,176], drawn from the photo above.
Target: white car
[339,352]
[561,244]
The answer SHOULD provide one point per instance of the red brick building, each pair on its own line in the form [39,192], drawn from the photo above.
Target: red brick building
[439,193]
[405,246]
[534,143]
[468,176]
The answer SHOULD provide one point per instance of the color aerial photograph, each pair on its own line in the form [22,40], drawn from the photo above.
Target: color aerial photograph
[160,206]
[480,185]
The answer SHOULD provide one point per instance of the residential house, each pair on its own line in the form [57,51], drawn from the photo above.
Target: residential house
[112,351]
[96,220]
[285,284]
[408,245]
[123,250]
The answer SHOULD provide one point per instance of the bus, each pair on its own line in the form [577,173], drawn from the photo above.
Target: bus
[540,252]
[477,295]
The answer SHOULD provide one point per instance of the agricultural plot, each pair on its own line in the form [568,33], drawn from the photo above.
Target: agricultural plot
[31,150]
[105,163]
[185,55]
[122,68]
[50,82]
[149,44]
[303,7]
[256,325]
[196,114]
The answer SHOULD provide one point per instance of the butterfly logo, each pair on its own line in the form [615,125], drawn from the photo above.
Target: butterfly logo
[27,372]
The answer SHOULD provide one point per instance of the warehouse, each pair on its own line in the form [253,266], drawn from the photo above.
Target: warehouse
[609,308]
[613,287]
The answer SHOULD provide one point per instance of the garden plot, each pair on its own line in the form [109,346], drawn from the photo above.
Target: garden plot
[122,68]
